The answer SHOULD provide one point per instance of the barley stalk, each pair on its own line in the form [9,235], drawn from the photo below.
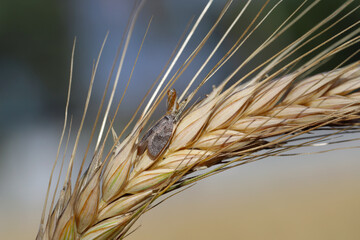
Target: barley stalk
[237,122]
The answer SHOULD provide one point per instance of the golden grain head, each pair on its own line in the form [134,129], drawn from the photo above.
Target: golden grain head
[272,100]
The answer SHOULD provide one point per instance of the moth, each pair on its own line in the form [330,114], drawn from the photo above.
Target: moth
[158,136]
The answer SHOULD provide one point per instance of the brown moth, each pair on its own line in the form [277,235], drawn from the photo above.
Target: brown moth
[158,136]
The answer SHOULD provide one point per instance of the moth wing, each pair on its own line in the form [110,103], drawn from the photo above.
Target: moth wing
[144,142]
[160,137]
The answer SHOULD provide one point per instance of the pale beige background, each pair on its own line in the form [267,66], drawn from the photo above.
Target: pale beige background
[315,197]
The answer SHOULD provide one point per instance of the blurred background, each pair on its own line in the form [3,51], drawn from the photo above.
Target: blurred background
[301,197]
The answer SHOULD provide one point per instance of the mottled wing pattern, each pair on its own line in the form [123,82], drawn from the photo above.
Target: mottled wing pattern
[158,137]
[161,136]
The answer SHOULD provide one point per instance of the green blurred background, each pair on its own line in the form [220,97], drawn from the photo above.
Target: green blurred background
[302,197]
